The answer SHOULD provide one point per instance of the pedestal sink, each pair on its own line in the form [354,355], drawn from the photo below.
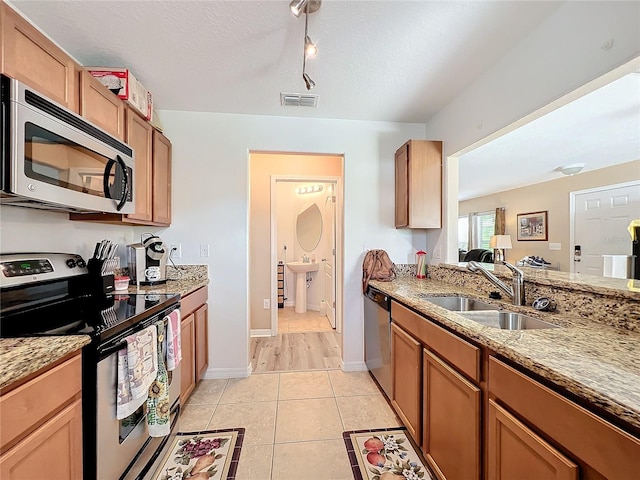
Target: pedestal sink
[301,269]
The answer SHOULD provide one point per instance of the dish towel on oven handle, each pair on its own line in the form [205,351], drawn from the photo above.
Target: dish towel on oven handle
[137,370]
[158,406]
[174,340]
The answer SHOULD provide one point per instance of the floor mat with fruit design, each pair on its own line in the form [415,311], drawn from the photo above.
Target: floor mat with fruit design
[207,455]
[384,454]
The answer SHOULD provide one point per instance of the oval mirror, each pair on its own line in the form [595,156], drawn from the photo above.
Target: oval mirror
[309,227]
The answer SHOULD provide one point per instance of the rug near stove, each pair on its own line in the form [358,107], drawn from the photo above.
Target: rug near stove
[210,455]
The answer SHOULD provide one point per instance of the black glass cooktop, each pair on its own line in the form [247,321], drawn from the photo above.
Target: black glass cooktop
[100,317]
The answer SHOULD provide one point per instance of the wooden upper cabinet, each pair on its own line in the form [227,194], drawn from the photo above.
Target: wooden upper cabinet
[100,106]
[30,57]
[418,183]
[161,178]
[139,137]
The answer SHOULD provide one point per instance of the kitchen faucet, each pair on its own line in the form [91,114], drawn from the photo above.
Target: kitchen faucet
[516,291]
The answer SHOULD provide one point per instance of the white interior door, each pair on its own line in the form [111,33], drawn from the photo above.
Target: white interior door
[330,258]
[600,225]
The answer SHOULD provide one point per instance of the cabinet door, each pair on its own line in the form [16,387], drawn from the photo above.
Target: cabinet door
[139,137]
[187,372]
[161,178]
[406,360]
[202,341]
[53,451]
[451,441]
[517,452]
[100,106]
[402,186]
[30,57]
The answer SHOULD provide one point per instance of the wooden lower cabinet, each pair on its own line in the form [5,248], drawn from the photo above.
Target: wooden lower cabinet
[406,366]
[195,340]
[516,452]
[187,370]
[201,341]
[451,421]
[41,425]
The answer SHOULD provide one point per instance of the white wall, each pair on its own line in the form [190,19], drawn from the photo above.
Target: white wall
[563,53]
[27,230]
[210,205]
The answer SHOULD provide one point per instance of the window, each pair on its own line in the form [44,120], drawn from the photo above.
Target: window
[482,228]
[463,233]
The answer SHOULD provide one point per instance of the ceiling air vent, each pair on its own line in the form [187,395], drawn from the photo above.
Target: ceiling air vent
[298,100]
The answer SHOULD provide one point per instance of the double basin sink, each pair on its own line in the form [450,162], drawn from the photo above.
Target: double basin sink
[486,314]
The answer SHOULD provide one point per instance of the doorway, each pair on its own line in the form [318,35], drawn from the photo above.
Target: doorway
[599,220]
[296,318]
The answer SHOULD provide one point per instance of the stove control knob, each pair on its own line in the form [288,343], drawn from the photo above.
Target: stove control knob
[80,263]
[71,263]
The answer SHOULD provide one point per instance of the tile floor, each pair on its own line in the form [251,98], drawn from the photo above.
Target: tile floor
[294,420]
[291,322]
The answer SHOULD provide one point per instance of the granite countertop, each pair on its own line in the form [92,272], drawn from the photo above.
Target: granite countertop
[20,357]
[596,362]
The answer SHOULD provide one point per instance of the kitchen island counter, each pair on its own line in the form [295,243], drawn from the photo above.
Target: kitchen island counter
[597,363]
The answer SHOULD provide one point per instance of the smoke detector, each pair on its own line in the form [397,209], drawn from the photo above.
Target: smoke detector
[298,100]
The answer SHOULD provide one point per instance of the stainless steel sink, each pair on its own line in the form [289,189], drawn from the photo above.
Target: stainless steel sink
[486,314]
[458,303]
[506,320]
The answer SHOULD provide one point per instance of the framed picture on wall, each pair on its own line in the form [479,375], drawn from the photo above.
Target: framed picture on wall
[532,226]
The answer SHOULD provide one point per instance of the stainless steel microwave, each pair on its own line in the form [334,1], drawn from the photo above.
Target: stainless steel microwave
[53,159]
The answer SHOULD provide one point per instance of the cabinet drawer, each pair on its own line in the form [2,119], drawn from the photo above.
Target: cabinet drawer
[26,407]
[191,302]
[604,447]
[457,352]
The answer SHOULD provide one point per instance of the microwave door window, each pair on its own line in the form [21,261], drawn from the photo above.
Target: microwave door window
[58,161]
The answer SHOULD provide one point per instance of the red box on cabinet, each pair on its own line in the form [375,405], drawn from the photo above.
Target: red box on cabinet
[124,84]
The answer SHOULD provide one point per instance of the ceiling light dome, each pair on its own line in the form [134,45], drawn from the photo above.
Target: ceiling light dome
[572,169]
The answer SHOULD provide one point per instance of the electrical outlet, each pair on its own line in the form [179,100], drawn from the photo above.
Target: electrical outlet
[266,304]
[204,250]
[284,245]
[437,252]
[176,251]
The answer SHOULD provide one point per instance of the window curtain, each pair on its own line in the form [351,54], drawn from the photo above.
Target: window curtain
[500,228]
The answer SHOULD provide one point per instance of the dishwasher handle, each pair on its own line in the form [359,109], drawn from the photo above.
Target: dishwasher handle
[379,298]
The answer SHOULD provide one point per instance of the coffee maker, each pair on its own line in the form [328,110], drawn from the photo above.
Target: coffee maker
[147,261]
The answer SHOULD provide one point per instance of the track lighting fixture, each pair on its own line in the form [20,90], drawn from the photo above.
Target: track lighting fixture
[310,48]
[297,6]
[309,83]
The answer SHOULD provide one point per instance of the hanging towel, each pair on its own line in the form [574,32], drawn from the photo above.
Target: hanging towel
[137,369]
[174,340]
[158,402]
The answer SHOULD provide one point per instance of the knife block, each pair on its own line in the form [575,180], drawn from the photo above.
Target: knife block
[101,276]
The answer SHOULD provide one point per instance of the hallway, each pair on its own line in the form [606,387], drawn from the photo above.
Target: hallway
[305,341]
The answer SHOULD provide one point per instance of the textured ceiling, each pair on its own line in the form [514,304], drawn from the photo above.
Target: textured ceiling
[378,60]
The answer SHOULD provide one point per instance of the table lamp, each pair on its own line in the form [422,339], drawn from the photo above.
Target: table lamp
[499,243]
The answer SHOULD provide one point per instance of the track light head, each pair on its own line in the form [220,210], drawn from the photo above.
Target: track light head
[310,48]
[309,83]
[297,6]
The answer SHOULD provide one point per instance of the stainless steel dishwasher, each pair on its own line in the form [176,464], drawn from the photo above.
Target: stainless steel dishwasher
[377,337]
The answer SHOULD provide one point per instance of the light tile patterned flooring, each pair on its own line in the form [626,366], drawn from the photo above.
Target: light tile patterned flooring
[291,322]
[293,420]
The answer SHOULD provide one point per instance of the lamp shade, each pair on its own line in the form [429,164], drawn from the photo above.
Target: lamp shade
[500,241]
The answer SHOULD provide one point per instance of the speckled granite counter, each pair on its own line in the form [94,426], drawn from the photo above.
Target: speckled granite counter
[182,279]
[597,362]
[20,357]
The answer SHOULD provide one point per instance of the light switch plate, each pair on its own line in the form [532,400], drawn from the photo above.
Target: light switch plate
[555,246]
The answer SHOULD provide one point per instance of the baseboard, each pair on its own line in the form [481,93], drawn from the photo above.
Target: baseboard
[354,366]
[216,373]
[260,332]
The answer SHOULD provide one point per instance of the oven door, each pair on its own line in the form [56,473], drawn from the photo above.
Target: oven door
[58,158]
[124,447]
